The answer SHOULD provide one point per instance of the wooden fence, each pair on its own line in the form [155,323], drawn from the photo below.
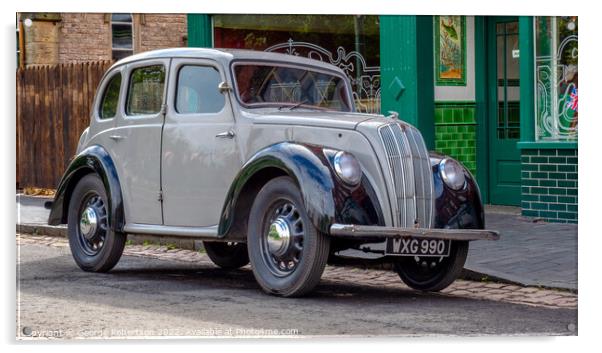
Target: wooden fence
[53,109]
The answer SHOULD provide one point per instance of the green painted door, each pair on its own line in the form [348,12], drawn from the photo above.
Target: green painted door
[504,110]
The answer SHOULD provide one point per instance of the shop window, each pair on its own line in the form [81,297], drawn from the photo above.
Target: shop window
[350,42]
[557,90]
[121,35]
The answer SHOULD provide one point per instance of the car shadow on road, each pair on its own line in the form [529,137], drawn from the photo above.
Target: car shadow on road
[206,277]
[151,275]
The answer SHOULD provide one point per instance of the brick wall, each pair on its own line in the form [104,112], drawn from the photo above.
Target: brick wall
[84,37]
[41,47]
[162,31]
[77,37]
[455,132]
[549,184]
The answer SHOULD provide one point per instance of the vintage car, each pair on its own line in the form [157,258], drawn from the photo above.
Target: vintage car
[263,157]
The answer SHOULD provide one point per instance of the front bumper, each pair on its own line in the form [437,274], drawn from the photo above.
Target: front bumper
[380,233]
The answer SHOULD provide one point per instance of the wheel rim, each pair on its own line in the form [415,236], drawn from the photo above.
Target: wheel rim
[282,238]
[92,224]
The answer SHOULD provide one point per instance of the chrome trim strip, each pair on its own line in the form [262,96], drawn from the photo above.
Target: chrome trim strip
[378,232]
[425,183]
[179,231]
[410,171]
[409,176]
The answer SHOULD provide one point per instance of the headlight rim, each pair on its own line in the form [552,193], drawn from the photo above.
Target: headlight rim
[336,164]
[447,179]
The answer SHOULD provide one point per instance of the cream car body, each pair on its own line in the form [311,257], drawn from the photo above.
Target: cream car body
[169,167]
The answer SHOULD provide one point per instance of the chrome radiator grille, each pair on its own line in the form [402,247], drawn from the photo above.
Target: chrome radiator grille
[410,168]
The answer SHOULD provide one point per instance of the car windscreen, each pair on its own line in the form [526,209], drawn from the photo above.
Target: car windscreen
[275,85]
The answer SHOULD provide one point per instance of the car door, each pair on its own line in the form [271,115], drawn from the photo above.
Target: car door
[137,140]
[200,155]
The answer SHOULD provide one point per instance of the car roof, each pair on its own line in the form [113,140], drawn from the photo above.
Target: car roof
[225,55]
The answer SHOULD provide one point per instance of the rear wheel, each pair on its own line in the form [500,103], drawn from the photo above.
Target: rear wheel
[288,254]
[432,273]
[228,255]
[94,245]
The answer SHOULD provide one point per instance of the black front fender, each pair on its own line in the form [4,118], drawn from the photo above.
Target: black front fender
[326,198]
[94,159]
[461,209]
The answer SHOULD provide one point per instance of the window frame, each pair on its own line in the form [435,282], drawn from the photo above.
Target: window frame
[177,86]
[131,70]
[131,24]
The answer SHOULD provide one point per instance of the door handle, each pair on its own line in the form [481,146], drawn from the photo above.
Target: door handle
[226,135]
[117,137]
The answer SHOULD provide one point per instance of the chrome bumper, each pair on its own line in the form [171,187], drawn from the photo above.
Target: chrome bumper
[378,232]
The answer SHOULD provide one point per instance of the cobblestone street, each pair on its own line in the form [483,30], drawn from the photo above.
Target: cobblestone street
[532,296]
[158,291]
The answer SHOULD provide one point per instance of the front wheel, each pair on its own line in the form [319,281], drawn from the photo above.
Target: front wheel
[288,254]
[94,245]
[433,274]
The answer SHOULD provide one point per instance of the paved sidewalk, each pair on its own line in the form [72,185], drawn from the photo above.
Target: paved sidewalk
[529,253]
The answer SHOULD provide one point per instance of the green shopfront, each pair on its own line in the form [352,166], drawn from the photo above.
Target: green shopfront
[499,94]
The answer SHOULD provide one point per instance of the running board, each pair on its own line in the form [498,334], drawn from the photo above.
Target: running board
[176,231]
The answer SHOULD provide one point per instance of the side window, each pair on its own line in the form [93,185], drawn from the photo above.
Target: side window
[145,93]
[197,90]
[110,98]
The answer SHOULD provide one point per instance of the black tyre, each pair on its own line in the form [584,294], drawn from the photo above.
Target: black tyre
[433,274]
[288,254]
[94,246]
[229,255]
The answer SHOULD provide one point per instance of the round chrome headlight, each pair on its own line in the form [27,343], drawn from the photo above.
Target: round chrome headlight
[452,174]
[347,168]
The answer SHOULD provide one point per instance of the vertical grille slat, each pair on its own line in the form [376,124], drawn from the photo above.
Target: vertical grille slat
[410,168]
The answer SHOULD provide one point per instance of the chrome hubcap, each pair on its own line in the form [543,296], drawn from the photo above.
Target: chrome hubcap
[279,237]
[92,224]
[282,241]
[88,223]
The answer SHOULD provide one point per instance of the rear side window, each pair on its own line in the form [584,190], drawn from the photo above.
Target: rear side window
[110,98]
[145,93]
[197,90]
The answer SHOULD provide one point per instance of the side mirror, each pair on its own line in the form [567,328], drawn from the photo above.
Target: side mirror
[224,87]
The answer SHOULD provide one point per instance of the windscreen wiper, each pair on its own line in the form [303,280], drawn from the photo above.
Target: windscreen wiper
[295,106]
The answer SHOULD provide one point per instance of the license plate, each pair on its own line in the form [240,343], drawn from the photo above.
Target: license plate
[417,247]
